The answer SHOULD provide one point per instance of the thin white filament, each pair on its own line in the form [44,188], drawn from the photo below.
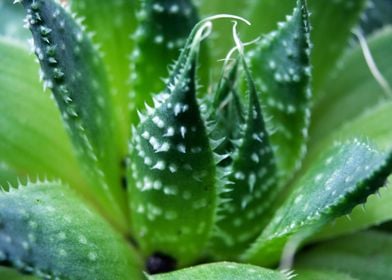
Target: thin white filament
[372,64]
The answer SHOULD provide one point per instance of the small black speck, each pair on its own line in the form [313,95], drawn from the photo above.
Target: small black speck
[124,183]
[160,263]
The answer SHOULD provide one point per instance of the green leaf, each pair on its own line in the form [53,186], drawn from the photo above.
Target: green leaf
[12,274]
[352,83]
[11,22]
[327,49]
[222,271]
[310,274]
[280,65]
[172,169]
[252,185]
[348,173]
[42,234]
[365,255]
[21,96]
[72,69]
[113,23]
[376,126]
[163,27]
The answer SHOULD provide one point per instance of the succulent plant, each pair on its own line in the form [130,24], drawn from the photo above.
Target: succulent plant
[221,170]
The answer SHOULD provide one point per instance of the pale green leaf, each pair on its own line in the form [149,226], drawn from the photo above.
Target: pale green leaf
[31,143]
[348,173]
[72,69]
[366,255]
[222,271]
[352,83]
[113,23]
[48,231]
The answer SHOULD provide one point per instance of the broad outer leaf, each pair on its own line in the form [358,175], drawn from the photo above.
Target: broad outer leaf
[253,184]
[73,70]
[46,230]
[342,178]
[331,23]
[113,23]
[376,126]
[32,139]
[222,271]
[281,67]
[163,27]
[366,255]
[352,83]
[172,169]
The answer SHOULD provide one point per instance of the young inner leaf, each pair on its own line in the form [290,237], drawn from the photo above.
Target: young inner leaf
[253,183]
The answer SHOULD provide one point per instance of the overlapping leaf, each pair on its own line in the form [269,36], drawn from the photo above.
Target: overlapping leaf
[72,69]
[163,27]
[113,23]
[281,68]
[41,234]
[172,169]
[338,181]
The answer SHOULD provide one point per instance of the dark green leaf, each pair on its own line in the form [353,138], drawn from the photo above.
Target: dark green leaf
[46,230]
[222,271]
[366,255]
[348,173]
[172,170]
[72,68]
[113,23]
[253,184]
[281,68]
[377,15]
[163,29]
[30,143]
